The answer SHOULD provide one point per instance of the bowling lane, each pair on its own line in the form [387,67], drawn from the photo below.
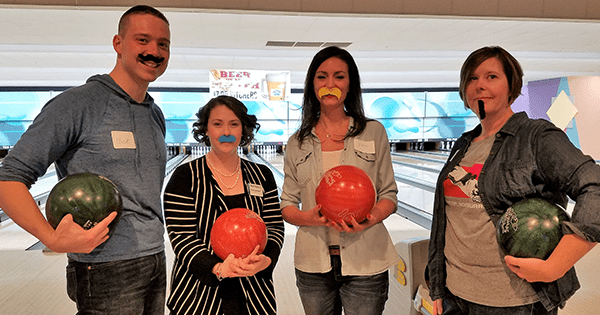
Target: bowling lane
[418,161]
[415,197]
[417,179]
[427,175]
[44,183]
[436,155]
[275,159]
[13,236]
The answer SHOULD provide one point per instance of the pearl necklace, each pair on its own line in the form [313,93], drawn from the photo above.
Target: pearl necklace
[237,178]
[225,175]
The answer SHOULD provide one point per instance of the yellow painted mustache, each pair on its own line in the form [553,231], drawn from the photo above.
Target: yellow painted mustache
[325,91]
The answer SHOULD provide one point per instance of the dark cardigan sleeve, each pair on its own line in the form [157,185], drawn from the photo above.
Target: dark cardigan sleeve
[182,225]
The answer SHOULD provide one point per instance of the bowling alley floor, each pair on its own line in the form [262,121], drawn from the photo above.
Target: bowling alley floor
[33,281]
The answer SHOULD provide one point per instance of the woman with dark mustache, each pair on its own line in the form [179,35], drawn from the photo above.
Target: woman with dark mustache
[506,158]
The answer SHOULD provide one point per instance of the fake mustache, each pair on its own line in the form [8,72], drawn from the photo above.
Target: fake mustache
[481,109]
[326,91]
[227,139]
[152,58]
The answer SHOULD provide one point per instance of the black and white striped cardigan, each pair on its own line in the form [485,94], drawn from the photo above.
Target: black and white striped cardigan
[192,203]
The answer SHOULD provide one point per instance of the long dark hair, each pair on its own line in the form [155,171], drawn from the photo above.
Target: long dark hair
[249,124]
[311,107]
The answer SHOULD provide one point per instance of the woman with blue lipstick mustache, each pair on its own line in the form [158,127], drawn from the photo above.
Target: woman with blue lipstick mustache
[201,190]
[338,266]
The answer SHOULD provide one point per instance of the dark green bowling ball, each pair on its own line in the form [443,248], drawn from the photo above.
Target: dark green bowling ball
[88,197]
[531,228]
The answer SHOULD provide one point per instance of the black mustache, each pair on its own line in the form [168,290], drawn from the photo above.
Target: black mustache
[481,109]
[151,58]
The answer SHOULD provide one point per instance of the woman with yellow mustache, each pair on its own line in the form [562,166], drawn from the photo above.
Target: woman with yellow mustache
[338,266]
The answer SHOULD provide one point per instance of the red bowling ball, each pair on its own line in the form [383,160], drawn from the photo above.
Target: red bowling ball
[344,192]
[237,232]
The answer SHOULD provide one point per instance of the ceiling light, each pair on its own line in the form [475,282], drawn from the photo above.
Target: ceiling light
[274,43]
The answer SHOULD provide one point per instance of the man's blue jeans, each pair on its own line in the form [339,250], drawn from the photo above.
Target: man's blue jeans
[327,293]
[136,286]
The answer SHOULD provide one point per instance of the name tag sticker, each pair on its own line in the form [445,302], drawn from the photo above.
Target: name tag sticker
[255,190]
[123,139]
[364,146]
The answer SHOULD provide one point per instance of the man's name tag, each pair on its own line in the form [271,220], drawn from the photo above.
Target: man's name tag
[255,190]
[123,139]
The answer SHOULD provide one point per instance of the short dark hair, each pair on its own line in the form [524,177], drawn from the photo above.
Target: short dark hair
[353,106]
[139,9]
[512,70]
[249,124]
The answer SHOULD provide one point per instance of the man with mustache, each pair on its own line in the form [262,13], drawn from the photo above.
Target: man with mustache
[109,126]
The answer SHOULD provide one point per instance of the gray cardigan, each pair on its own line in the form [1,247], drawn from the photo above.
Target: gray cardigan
[365,253]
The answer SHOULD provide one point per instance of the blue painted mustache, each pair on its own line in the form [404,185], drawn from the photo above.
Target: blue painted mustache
[225,138]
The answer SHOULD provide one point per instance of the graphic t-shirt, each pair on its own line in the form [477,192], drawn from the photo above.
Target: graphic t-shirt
[474,261]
